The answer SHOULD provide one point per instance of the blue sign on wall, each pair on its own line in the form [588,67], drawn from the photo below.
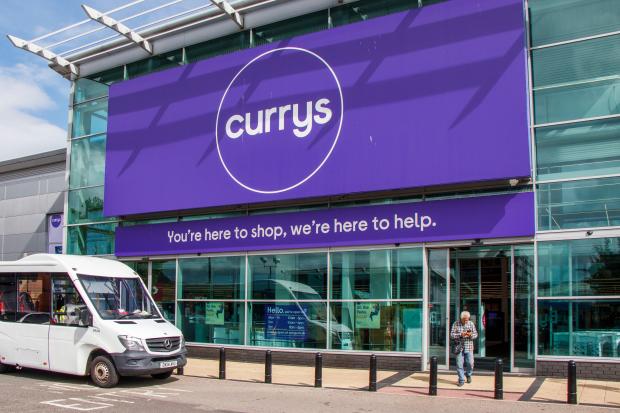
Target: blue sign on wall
[286,322]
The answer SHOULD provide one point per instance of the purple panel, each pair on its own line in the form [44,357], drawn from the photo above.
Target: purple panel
[454,219]
[430,96]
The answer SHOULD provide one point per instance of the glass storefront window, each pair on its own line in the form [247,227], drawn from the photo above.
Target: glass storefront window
[380,274]
[87,89]
[377,326]
[524,304]
[288,324]
[86,205]
[163,285]
[97,239]
[155,63]
[216,322]
[87,161]
[212,278]
[585,267]
[219,46]
[288,276]
[560,20]
[578,150]
[579,328]
[90,118]
[579,204]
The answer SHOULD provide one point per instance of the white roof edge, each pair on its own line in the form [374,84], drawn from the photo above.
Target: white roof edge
[81,264]
[176,36]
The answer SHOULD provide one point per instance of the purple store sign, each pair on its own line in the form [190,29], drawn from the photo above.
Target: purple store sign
[426,97]
[493,216]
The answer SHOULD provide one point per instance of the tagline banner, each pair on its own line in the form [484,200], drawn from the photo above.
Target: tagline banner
[431,96]
[469,218]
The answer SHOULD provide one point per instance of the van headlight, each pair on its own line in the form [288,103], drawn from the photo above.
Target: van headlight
[131,343]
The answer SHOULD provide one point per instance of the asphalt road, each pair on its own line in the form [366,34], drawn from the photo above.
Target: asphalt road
[34,391]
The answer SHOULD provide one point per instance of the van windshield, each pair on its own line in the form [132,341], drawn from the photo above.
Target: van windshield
[118,298]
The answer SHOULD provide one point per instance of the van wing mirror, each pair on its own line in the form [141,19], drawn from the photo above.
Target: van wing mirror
[86,318]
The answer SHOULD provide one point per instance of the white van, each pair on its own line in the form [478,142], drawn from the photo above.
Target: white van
[83,316]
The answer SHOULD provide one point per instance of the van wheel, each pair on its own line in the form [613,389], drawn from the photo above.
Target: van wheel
[162,376]
[103,373]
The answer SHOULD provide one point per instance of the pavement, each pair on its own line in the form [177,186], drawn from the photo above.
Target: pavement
[516,387]
[243,391]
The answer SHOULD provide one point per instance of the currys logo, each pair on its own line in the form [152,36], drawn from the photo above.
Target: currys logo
[279,120]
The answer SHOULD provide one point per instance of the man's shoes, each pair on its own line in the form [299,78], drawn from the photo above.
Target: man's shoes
[468,379]
[460,384]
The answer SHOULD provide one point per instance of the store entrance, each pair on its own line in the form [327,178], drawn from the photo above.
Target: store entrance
[483,288]
[495,284]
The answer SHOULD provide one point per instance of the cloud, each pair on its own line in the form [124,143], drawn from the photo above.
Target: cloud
[27,94]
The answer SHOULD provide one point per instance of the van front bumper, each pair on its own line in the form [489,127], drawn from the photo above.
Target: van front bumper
[138,363]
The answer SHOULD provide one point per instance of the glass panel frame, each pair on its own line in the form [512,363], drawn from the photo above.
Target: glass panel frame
[87,161]
[305,280]
[85,205]
[579,328]
[390,274]
[394,326]
[578,150]
[583,203]
[214,322]
[555,21]
[90,118]
[306,324]
[163,287]
[584,267]
[209,278]
[94,239]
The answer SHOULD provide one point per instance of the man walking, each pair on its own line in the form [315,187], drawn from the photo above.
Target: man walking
[463,334]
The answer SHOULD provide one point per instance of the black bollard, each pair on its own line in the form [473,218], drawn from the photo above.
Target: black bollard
[180,371]
[571,396]
[222,363]
[499,379]
[432,382]
[372,386]
[268,366]
[318,370]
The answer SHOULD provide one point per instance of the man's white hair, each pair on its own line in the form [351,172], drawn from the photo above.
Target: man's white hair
[465,314]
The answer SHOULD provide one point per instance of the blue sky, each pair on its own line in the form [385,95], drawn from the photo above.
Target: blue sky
[33,98]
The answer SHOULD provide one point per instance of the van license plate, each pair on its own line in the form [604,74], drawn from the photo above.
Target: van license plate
[165,364]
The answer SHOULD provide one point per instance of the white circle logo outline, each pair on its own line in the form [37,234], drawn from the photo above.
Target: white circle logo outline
[217,121]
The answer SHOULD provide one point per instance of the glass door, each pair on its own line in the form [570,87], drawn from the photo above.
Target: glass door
[438,311]
[496,285]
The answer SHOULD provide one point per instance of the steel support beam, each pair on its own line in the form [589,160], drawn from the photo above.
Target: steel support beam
[118,27]
[225,6]
[44,53]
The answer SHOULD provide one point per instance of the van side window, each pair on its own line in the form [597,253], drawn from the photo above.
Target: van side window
[33,298]
[67,304]
[8,297]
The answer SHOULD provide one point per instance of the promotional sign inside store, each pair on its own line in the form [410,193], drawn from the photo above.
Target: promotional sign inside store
[430,96]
